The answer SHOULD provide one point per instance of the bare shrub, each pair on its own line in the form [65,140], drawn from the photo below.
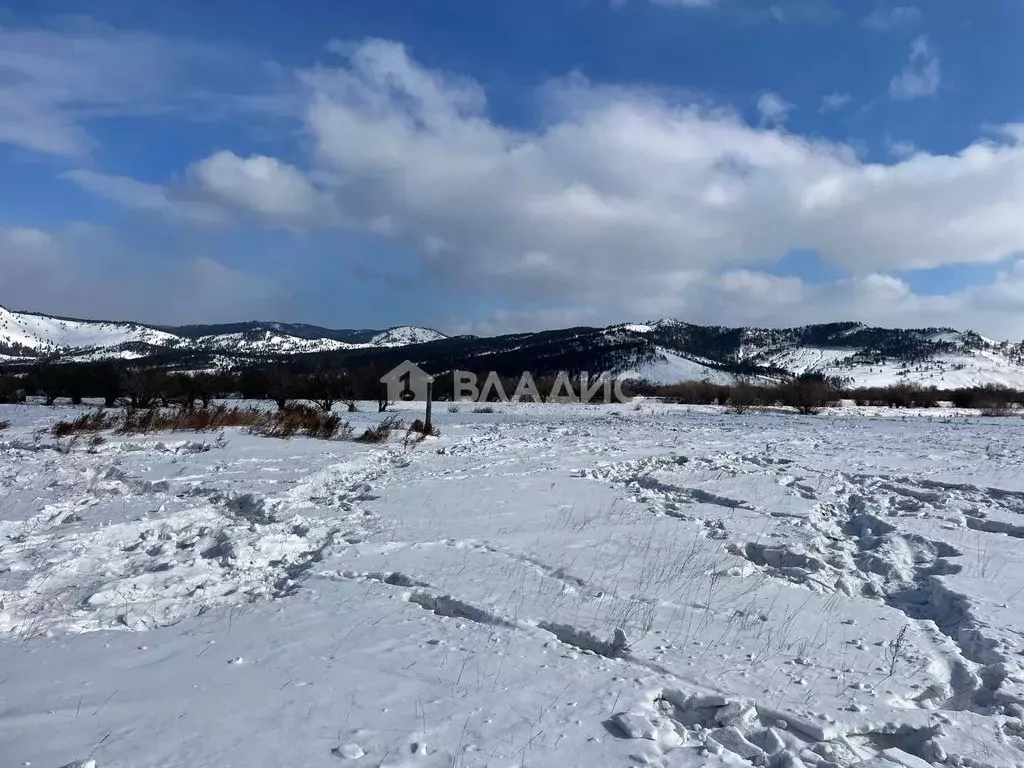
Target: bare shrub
[96,421]
[4,425]
[382,432]
[453,408]
[744,395]
[137,421]
[695,393]
[808,394]
[906,395]
[484,409]
[419,426]
[998,410]
[293,420]
[303,420]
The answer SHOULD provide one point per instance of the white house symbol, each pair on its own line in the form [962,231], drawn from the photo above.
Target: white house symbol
[407,382]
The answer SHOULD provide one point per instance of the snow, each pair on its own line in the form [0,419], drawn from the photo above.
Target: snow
[404,335]
[947,371]
[269,342]
[39,332]
[88,340]
[546,585]
[672,368]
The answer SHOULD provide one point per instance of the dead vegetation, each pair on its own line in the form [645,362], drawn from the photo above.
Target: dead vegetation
[87,423]
[288,422]
[4,425]
[382,432]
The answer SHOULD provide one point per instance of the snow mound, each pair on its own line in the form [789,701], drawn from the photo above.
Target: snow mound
[404,335]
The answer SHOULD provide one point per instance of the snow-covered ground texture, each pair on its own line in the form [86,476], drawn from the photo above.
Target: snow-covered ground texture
[570,586]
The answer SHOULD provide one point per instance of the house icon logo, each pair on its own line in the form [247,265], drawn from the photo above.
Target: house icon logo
[407,382]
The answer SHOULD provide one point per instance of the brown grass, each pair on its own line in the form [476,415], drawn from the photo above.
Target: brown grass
[293,420]
[84,424]
[382,432]
[4,425]
[303,420]
[420,428]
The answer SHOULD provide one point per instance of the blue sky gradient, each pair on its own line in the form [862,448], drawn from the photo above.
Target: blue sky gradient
[492,167]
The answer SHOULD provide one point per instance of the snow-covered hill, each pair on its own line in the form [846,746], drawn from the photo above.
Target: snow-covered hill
[404,335]
[40,334]
[27,336]
[662,352]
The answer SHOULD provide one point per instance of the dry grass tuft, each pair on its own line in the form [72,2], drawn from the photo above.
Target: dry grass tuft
[292,420]
[382,432]
[420,428]
[303,420]
[84,424]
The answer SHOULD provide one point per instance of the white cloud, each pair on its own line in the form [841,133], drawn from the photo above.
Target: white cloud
[922,74]
[264,186]
[751,298]
[902,149]
[154,198]
[624,201]
[55,82]
[890,19]
[60,272]
[835,101]
[774,109]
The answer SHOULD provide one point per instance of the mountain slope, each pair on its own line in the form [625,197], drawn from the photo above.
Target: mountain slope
[27,336]
[36,334]
[666,351]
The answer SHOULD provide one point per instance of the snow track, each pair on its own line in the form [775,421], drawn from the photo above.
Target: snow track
[540,586]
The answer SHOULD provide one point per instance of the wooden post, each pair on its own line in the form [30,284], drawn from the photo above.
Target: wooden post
[430,397]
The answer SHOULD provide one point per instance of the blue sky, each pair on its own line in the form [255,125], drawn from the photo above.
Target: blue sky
[487,167]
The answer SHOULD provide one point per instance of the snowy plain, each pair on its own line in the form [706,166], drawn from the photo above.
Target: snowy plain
[547,585]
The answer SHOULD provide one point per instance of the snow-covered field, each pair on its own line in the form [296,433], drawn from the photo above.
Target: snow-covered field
[565,586]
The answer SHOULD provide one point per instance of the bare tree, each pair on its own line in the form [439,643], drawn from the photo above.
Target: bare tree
[281,386]
[142,386]
[326,386]
[744,395]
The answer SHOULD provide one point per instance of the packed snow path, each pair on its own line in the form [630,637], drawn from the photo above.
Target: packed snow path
[542,586]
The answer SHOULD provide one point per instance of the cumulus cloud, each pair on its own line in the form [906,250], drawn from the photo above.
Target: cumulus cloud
[623,201]
[744,297]
[265,186]
[922,74]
